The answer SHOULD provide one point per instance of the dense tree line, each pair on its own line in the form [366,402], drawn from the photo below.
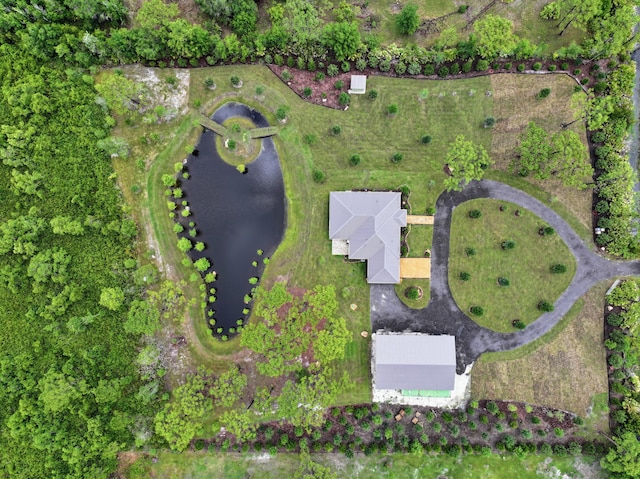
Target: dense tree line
[88,33]
[72,395]
[623,343]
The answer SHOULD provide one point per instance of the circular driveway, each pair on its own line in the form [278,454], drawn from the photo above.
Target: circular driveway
[442,315]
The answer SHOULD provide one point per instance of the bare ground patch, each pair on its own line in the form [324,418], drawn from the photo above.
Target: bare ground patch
[564,374]
[515,106]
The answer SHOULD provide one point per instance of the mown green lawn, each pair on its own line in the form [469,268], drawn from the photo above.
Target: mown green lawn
[526,267]
[395,466]
[441,109]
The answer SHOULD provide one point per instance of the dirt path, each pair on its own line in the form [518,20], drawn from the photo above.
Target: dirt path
[442,315]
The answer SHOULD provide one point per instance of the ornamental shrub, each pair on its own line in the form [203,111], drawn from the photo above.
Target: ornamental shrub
[465,276]
[307,92]
[503,281]
[414,68]
[412,292]
[476,310]
[384,66]
[521,67]
[544,93]
[545,306]
[475,214]
[558,268]
[332,70]
[482,65]
[467,66]
[373,94]
[443,72]
[345,66]
[429,69]
[537,66]
[508,245]
[355,160]
[470,251]
[426,139]
[400,68]
[319,176]
[518,324]
[396,158]
[392,109]
[338,85]
[344,99]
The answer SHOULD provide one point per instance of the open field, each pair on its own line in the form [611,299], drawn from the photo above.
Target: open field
[565,369]
[526,267]
[515,106]
[395,466]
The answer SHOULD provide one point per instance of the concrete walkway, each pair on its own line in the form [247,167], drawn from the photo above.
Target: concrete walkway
[442,315]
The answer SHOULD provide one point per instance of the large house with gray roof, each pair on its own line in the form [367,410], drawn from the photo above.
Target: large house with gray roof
[368,225]
[417,364]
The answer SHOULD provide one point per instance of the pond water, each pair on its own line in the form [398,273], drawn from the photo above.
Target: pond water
[235,214]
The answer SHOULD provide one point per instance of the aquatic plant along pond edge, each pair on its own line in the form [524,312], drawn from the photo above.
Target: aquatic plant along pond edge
[235,214]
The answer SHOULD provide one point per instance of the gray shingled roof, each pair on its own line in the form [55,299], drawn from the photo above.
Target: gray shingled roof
[415,361]
[371,222]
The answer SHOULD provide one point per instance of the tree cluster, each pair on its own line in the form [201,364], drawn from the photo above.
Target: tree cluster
[562,155]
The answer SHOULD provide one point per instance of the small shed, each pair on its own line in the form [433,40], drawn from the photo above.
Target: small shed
[358,85]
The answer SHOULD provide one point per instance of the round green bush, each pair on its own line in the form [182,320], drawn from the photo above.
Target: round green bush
[470,251]
[344,99]
[482,65]
[475,214]
[412,292]
[355,160]
[464,276]
[577,71]
[503,281]
[392,109]
[319,176]
[396,158]
[373,94]
[307,92]
[518,324]
[545,306]
[429,69]
[476,310]
[508,244]
[544,93]
[443,72]
[336,129]
[558,268]
[426,139]
[584,81]
[338,85]
[521,67]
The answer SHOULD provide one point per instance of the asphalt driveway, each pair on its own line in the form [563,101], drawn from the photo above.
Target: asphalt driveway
[442,315]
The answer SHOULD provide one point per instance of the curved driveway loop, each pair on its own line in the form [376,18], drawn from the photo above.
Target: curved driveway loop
[442,315]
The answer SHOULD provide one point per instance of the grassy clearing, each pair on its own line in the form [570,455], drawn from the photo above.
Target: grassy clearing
[419,240]
[396,466]
[514,107]
[526,266]
[565,369]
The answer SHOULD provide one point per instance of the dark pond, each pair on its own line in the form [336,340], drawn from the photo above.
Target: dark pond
[235,214]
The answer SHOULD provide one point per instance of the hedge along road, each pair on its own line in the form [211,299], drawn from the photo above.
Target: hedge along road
[442,315]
